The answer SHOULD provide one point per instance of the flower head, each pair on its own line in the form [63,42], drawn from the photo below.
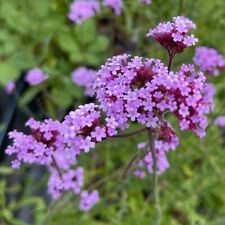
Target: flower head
[35,77]
[39,146]
[82,128]
[116,5]
[69,180]
[220,121]
[167,140]
[88,200]
[84,77]
[10,87]
[174,35]
[209,60]
[146,1]
[143,90]
[81,10]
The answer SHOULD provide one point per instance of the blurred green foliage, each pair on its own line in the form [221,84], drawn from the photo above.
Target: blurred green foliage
[38,34]
[9,208]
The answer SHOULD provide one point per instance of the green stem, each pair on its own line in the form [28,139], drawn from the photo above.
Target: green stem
[130,134]
[152,137]
[123,194]
[55,165]
[129,166]
[171,57]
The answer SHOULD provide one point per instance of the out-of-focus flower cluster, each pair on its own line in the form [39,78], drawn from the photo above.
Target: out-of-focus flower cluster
[146,1]
[10,87]
[88,200]
[116,5]
[220,121]
[143,90]
[35,77]
[84,77]
[174,35]
[209,60]
[81,10]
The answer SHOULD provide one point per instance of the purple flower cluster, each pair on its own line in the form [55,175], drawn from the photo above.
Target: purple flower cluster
[166,140]
[82,129]
[209,60]
[69,180]
[79,132]
[146,1]
[127,89]
[84,77]
[116,5]
[81,10]
[48,145]
[174,35]
[220,121]
[143,90]
[88,200]
[10,87]
[37,147]
[35,77]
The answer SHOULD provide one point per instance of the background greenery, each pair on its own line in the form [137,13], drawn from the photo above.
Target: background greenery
[38,34]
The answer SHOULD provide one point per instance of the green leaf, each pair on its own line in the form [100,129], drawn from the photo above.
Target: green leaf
[8,216]
[99,45]
[67,42]
[30,95]
[86,32]
[92,59]
[64,98]
[9,70]
[6,170]
[76,57]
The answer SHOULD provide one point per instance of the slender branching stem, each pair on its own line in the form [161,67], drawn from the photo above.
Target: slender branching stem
[152,137]
[171,57]
[55,165]
[130,134]
[129,165]
[123,195]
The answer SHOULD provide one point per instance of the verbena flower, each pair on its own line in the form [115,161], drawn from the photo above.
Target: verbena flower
[146,1]
[88,200]
[84,77]
[174,35]
[209,60]
[140,170]
[143,90]
[220,121]
[10,87]
[35,77]
[82,129]
[81,10]
[116,5]
[167,140]
[127,89]
[69,180]
[39,146]
[79,132]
